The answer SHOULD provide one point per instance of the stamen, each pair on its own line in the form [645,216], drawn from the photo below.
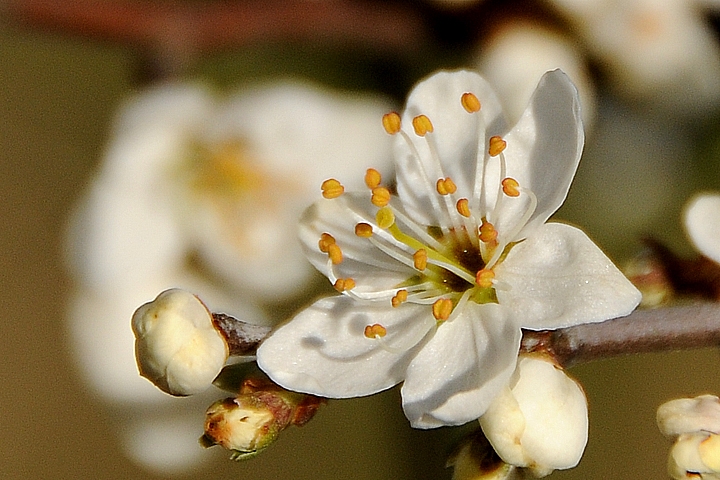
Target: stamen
[470,102]
[445,186]
[342,284]
[331,188]
[422,125]
[380,196]
[376,330]
[487,232]
[399,298]
[463,207]
[391,123]
[363,230]
[372,178]
[497,145]
[511,187]
[325,241]
[385,218]
[420,259]
[442,308]
[335,254]
[484,278]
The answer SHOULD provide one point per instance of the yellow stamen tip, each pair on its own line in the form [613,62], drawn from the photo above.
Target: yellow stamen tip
[331,188]
[385,218]
[487,232]
[422,125]
[470,102]
[442,308]
[363,230]
[420,259]
[325,241]
[342,284]
[445,186]
[463,207]
[335,254]
[497,145]
[372,178]
[484,278]
[391,123]
[376,330]
[380,196]
[511,187]
[399,298]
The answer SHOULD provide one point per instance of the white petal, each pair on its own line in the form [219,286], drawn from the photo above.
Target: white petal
[372,269]
[457,135]
[688,415]
[324,351]
[543,151]
[558,277]
[702,223]
[455,377]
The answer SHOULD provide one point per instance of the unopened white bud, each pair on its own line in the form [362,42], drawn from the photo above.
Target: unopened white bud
[540,422]
[176,345]
[687,415]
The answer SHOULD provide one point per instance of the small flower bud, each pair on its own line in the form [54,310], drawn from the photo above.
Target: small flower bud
[176,345]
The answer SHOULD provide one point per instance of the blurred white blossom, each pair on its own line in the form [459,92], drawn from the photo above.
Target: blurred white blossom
[702,224]
[435,289]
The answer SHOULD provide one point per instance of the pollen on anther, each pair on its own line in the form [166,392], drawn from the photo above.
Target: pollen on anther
[331,188]
[445,186]
[372,178]
[497,145]
[442,308]
[511,187]
[380,196]
[463,207]
[335,254]
[487,232]
[342,284]
[325,241]
[363,230]
[420,259]
[375,330]
[385,218]
[399,298]
[422,125]
[484,278]
[391,123]
[470,102]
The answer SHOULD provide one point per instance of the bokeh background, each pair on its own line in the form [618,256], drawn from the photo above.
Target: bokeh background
[58,95]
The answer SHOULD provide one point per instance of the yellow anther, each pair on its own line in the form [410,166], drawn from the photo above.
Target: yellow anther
[420,259]
[400,297]
[372,178]
[497,145]
[422,125]
[335,254]
[363,230]
[391,123]
[376,330]
[470,102]
[511,187]
[325,241]
[442,308]
[331,188]
[487,232]
[463,207]
[380,196]
[385,218]
[445,186]
[484,278]
[342,284]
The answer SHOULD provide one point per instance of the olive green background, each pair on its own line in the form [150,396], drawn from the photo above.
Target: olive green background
[57,97]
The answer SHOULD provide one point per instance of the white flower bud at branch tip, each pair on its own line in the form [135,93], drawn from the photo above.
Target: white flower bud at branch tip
[176,345]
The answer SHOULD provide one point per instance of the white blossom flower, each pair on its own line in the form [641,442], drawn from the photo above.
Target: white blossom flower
[702,224]
[436,289]
[539,421]
[694,425]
